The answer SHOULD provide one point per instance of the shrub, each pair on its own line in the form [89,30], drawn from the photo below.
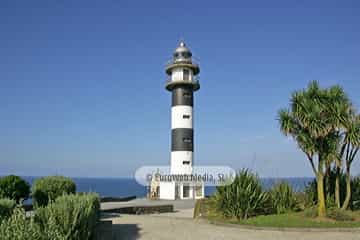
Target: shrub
[311,194]
[14,187]
[339,215]
[283,198]
[355,193]
[243,198]
[49,188]
[18,227]
[300,201]
[201,208]
[6,208]
[197,208]
[311,212]
[311,191]
[72,217]
[329,183]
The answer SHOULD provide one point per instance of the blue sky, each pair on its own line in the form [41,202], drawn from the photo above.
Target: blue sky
[82,82]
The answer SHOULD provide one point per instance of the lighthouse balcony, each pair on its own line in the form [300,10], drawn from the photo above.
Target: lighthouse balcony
[193,82]
[182,62]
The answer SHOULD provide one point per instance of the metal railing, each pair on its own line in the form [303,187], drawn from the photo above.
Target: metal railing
[191,60]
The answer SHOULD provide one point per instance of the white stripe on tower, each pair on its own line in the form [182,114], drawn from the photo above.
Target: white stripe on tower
[181,117]
[181,125]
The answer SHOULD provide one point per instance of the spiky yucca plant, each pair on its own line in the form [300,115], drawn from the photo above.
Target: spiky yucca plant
[243,198]
[283,198]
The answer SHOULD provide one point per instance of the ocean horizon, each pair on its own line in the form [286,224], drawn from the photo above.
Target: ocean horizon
[124,187]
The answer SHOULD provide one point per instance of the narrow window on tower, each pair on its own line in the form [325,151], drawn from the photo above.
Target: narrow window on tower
[186,162]
[186,74]
[187,95]
[187,140]
[185,116]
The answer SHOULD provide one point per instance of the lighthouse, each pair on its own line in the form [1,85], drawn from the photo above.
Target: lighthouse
[182,82]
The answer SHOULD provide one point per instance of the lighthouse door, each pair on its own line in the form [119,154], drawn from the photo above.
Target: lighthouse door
[177,191]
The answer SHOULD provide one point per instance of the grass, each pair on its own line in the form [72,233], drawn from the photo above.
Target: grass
[291,220]
[286,220]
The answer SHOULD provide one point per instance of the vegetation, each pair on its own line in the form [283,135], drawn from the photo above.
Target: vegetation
[197,208]
[6,208]
[18,227]
[326,128]
[330,182]
[70,217]
[355,193]
[340,215]
[302,219]
[243,198]
[349,148]
[47,189]
[283,198]
[296,220]
[60,215]
[14,187]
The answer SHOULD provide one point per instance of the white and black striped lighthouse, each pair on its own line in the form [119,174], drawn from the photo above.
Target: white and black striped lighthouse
[182,82]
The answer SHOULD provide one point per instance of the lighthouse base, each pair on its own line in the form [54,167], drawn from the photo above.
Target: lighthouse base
[174,190]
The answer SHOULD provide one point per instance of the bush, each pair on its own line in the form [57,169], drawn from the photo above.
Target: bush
[311,191]
[14,187]
[47,189]
[311,212]
[355,193]
[283,198]
[18,227]
[339,215]
[201,207]
[72,217]
[300,201]
[329,184]
[6,208]
[311,194]
[197,208]
[243,198]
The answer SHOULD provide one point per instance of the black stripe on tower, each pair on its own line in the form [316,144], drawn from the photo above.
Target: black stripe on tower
[182,139]
[182,95]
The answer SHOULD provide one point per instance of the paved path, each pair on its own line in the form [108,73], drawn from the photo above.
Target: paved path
[180,225]
[162,227]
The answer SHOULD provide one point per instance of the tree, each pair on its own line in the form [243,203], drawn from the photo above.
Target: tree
[313,120]
[349,149]
[47,189]
[340,106]
[14,187]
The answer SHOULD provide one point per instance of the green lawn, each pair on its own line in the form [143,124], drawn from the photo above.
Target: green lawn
[291,220]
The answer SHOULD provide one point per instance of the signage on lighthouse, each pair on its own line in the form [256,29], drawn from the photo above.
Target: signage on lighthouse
[182,82]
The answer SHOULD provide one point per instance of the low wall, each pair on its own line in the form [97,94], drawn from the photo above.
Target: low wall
[117,199]
[141,209]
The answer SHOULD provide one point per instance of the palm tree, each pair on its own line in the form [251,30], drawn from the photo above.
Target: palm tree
[349,149]
[341,110]
[313,120]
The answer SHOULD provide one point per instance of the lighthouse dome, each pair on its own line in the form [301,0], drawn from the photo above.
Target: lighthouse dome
[182,51]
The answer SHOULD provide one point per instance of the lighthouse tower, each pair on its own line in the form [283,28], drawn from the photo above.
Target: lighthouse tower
[182,82]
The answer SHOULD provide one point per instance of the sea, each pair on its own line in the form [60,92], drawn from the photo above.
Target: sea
[125,187]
